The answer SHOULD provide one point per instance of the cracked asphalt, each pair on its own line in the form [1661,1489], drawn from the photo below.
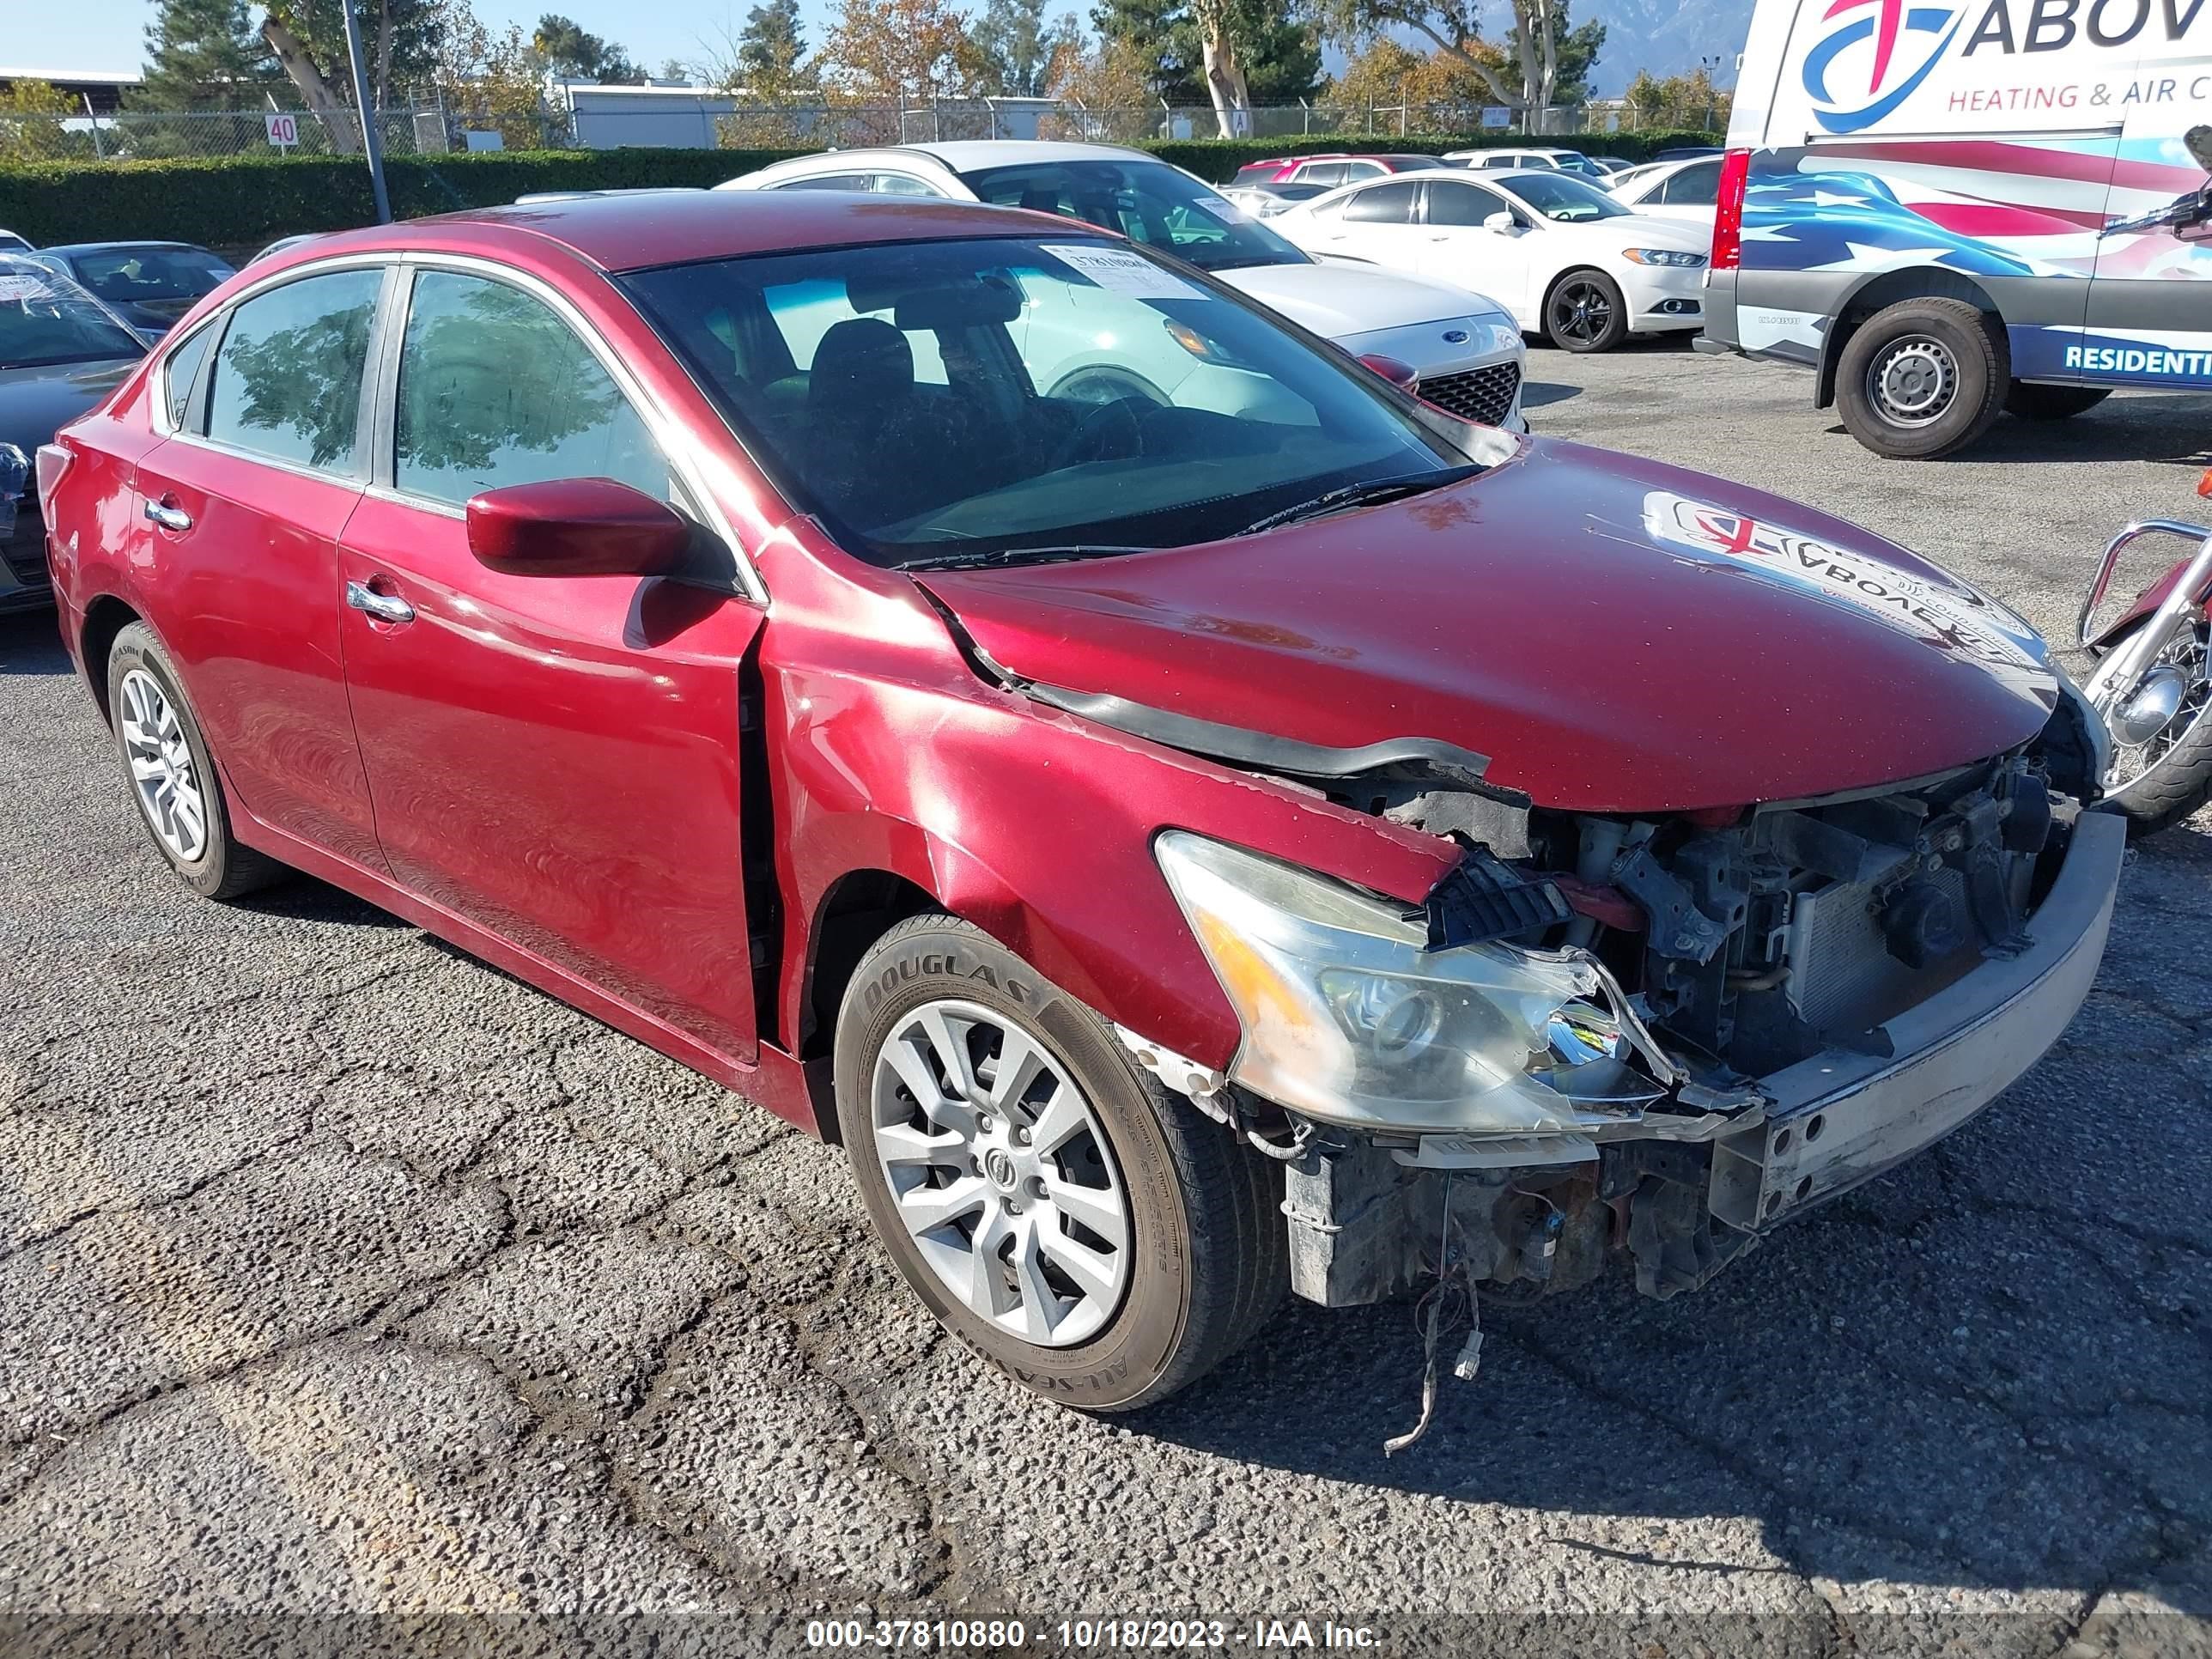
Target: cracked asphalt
[341,1274]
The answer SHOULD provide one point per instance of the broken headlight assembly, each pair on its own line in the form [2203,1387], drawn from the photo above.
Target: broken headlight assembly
[1349,1019]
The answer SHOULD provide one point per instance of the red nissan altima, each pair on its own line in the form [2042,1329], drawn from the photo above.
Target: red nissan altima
[1187,842]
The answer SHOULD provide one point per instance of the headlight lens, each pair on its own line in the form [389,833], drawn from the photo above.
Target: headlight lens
[1663,256]
[1348,1019]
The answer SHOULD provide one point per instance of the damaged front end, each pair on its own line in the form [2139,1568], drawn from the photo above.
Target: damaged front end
[1653,1037]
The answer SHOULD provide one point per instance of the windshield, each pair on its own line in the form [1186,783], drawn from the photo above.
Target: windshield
[960,401]
[1147,202]
[1568,201]
[129,275]
[46,319]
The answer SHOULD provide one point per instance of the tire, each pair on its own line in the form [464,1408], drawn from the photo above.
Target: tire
[1584,312]
[2032,402]
[181,800]
[1203,1257]
[2160,795]
[1922,378]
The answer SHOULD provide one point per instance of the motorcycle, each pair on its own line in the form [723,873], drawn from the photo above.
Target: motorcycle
[2151,683]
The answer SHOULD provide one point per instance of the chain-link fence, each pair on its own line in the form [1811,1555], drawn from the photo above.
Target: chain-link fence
[619,118]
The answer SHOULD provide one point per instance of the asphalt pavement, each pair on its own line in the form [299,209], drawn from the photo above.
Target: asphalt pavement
[343,1276]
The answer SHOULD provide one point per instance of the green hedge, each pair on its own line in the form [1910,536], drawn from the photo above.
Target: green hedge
[1218,159]
[242,201]
[234,201]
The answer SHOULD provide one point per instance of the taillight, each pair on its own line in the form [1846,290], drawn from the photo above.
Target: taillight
[1728,218]
[53,461]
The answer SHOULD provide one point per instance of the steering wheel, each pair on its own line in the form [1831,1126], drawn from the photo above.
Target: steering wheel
[1120,419]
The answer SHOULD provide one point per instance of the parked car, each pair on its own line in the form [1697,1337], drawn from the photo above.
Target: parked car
[1265,201]
[61,352]
[1328,171]
[1561,255]
[1688,153]
[1514,160]
[1463,349]
[1937,255]
[280,244]
[149,284]
[1688,191]
[1611,165]
[1180,856]
[11,243]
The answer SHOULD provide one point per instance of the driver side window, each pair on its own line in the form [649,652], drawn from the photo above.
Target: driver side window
[495,389]
[1462,204]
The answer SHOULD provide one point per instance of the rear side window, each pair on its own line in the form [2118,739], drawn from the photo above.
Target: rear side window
[1694,186]
[495,389]
[829,181]
[1321,173]
[287,380]
[1385,204]
[179,371]
[903,184]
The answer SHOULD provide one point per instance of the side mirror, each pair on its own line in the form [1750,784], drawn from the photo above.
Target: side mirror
[576,527]
[1504,224]
[1400,374]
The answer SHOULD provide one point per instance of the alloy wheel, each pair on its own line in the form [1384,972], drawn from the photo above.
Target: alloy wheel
[1912,380]
[169,783]
[1581,311]
[1000,1172]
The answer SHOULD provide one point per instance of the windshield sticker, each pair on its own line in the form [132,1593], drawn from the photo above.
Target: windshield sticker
[1958,621]
[26,287]
[1123,272]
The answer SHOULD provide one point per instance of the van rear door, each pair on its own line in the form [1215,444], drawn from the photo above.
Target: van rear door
[2150,306]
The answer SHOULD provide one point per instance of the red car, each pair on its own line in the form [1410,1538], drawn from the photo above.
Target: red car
[1329,171]
[1185,846]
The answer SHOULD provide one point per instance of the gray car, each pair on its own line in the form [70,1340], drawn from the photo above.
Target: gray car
[149,284]
[61,352]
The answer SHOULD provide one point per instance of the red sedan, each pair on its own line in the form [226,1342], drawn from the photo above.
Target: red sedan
[1187,843]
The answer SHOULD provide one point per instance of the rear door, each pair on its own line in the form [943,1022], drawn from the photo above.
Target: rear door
[2150,303]
[1378,223]
[241,515]
[554,758]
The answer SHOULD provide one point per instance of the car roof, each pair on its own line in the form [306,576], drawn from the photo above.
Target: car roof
[633,233]
[109,247]
[966,155]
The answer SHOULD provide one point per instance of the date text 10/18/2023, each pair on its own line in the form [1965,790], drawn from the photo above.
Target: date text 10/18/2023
[1131,1635]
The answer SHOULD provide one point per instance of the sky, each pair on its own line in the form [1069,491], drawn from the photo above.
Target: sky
[109,35]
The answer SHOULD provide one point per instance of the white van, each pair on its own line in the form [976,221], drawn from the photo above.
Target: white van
[1951,208]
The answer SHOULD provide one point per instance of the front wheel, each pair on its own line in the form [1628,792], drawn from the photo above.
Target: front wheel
[1922,378]
[2161,729]
[1087,1232]
[1585,312]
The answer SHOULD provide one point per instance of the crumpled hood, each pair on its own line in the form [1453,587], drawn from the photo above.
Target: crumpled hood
[1616,634]
[1336,301]
[36,403]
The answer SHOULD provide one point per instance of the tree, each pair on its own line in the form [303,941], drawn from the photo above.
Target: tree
[1389,74]
[1017,47]
[675,71]
[400,37]
[1105,94]
[1229,53]
[31,116]
[575,55]
[1547,59]
[771,60]
[203,54]
[1679,100]
[897,50]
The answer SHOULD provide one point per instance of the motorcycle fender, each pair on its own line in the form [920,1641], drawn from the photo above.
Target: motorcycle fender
[2145,603]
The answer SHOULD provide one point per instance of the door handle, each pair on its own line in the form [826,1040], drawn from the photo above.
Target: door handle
[169,518]
[383,607]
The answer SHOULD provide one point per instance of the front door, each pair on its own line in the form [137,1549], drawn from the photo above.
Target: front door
[1457,249]
[2150,302]
[239,516]
[554,758]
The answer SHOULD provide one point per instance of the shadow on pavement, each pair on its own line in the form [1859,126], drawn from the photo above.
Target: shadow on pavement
[30,644]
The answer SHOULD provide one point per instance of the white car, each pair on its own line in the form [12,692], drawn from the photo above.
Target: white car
[1565,259]
[1465,350]
[1689,191]
[1519,161]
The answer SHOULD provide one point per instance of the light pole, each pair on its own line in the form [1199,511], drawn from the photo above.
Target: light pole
[372,140]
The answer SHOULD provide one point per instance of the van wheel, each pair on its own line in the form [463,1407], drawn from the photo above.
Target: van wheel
[170,774]
[2032,402]
[1585,312]
[1922,378]
[1087,1232]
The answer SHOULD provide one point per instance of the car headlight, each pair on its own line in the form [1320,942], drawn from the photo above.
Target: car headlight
[1663,256]
[1348,1018]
